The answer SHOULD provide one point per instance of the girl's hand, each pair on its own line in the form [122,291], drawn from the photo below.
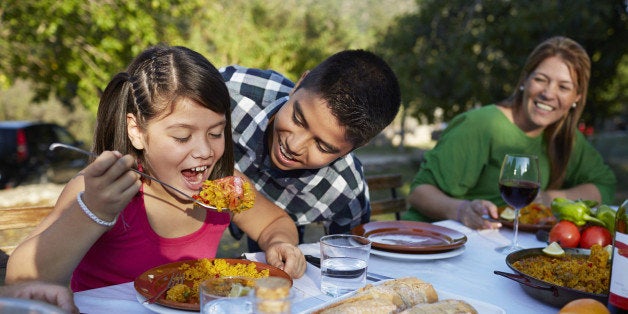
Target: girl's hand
[109,184]
[287,257]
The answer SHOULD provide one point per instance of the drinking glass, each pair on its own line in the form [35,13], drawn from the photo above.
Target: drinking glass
[519,183]
[224,295]
[344,259]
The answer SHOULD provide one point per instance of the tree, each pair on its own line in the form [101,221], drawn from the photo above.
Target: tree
[460,54]
[73,47]
[289,36]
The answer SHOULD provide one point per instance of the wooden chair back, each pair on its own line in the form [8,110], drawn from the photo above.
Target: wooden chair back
[385,197]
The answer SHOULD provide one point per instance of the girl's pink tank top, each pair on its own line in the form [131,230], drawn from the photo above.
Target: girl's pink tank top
[131,247]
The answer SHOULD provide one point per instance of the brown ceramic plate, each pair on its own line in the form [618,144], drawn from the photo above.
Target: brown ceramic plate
[540,213]
[155,279]
[410,236]
[526,227]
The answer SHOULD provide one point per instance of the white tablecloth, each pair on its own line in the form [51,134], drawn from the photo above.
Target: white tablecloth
[469,274]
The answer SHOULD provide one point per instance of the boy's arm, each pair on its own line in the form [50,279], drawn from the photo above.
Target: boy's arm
[275,232]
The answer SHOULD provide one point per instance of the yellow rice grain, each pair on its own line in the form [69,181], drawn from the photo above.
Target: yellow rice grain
[590,274]
[204,269]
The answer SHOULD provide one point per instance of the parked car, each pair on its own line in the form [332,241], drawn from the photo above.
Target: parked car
[25,157]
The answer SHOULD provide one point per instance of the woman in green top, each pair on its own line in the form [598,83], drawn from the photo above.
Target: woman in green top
[458,178]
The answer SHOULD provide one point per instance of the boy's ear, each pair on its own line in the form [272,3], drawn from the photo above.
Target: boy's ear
[134,131]
[299,81]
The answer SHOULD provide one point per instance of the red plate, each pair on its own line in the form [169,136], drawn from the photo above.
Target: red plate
[155,279]
[410,236]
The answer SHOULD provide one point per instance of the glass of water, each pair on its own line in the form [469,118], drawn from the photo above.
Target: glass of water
[225,295]
[344,259]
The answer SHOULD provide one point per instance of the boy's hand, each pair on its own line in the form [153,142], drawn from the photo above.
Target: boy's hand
[287,257]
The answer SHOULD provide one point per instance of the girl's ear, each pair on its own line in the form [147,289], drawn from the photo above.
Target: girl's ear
[134,131]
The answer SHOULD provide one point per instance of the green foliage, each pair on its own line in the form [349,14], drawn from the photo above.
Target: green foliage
[452,55]
[459,54]
[16,103]
[289,36]
[73,47]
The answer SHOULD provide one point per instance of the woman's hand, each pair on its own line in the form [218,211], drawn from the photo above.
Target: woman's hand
[287,257]
[477,214]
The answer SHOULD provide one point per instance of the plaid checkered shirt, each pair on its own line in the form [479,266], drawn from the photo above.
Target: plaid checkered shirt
[335,194]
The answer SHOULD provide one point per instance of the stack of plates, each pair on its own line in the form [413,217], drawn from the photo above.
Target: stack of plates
[412,240]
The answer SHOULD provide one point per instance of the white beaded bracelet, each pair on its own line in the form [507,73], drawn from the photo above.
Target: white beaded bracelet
[91,215]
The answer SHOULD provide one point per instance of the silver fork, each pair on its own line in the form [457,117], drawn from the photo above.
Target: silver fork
[175,279]
[53,146]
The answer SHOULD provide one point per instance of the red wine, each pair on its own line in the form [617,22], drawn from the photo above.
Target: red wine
[618,296]
[518,193]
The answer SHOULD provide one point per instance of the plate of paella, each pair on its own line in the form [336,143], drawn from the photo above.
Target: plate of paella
[185,295]
[532,218]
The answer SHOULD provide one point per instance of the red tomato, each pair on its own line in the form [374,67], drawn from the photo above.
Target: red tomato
[595,235]
[566,233]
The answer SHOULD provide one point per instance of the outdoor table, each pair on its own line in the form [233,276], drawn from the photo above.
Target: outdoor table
[468,275]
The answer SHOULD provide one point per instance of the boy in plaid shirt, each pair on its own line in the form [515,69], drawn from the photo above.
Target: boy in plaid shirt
[295,141]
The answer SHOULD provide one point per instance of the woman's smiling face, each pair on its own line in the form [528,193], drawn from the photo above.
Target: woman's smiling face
[549,93]
[305,134]
[182,147]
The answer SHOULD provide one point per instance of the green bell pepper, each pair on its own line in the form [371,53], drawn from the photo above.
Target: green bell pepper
[590,203]
[607,215]
[577,212]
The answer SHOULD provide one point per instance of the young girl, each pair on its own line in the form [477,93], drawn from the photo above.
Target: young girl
[167,115]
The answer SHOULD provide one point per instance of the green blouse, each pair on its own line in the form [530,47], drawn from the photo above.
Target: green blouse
[466,161]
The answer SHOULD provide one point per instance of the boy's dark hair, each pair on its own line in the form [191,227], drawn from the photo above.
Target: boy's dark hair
[361,90]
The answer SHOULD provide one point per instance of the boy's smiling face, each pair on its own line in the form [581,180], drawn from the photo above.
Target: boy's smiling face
[305,134]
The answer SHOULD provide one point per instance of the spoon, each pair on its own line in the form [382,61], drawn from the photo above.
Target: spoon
[53,146]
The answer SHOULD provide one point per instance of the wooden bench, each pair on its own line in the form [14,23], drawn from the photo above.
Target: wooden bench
[385,197]
[17,222]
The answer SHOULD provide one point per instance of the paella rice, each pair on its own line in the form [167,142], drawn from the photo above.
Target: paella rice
[233,193]
[204,269]
[590,274]
[534,214]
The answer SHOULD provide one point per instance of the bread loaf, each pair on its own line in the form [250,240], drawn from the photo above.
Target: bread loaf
[389,297]
[370,306]
[449,306]
[408,295]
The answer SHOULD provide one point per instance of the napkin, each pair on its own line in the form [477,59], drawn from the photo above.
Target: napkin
[118,300]
[307,288]
[454,225]
[492,235]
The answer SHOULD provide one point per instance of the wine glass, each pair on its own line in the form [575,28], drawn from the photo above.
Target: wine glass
[519,183]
